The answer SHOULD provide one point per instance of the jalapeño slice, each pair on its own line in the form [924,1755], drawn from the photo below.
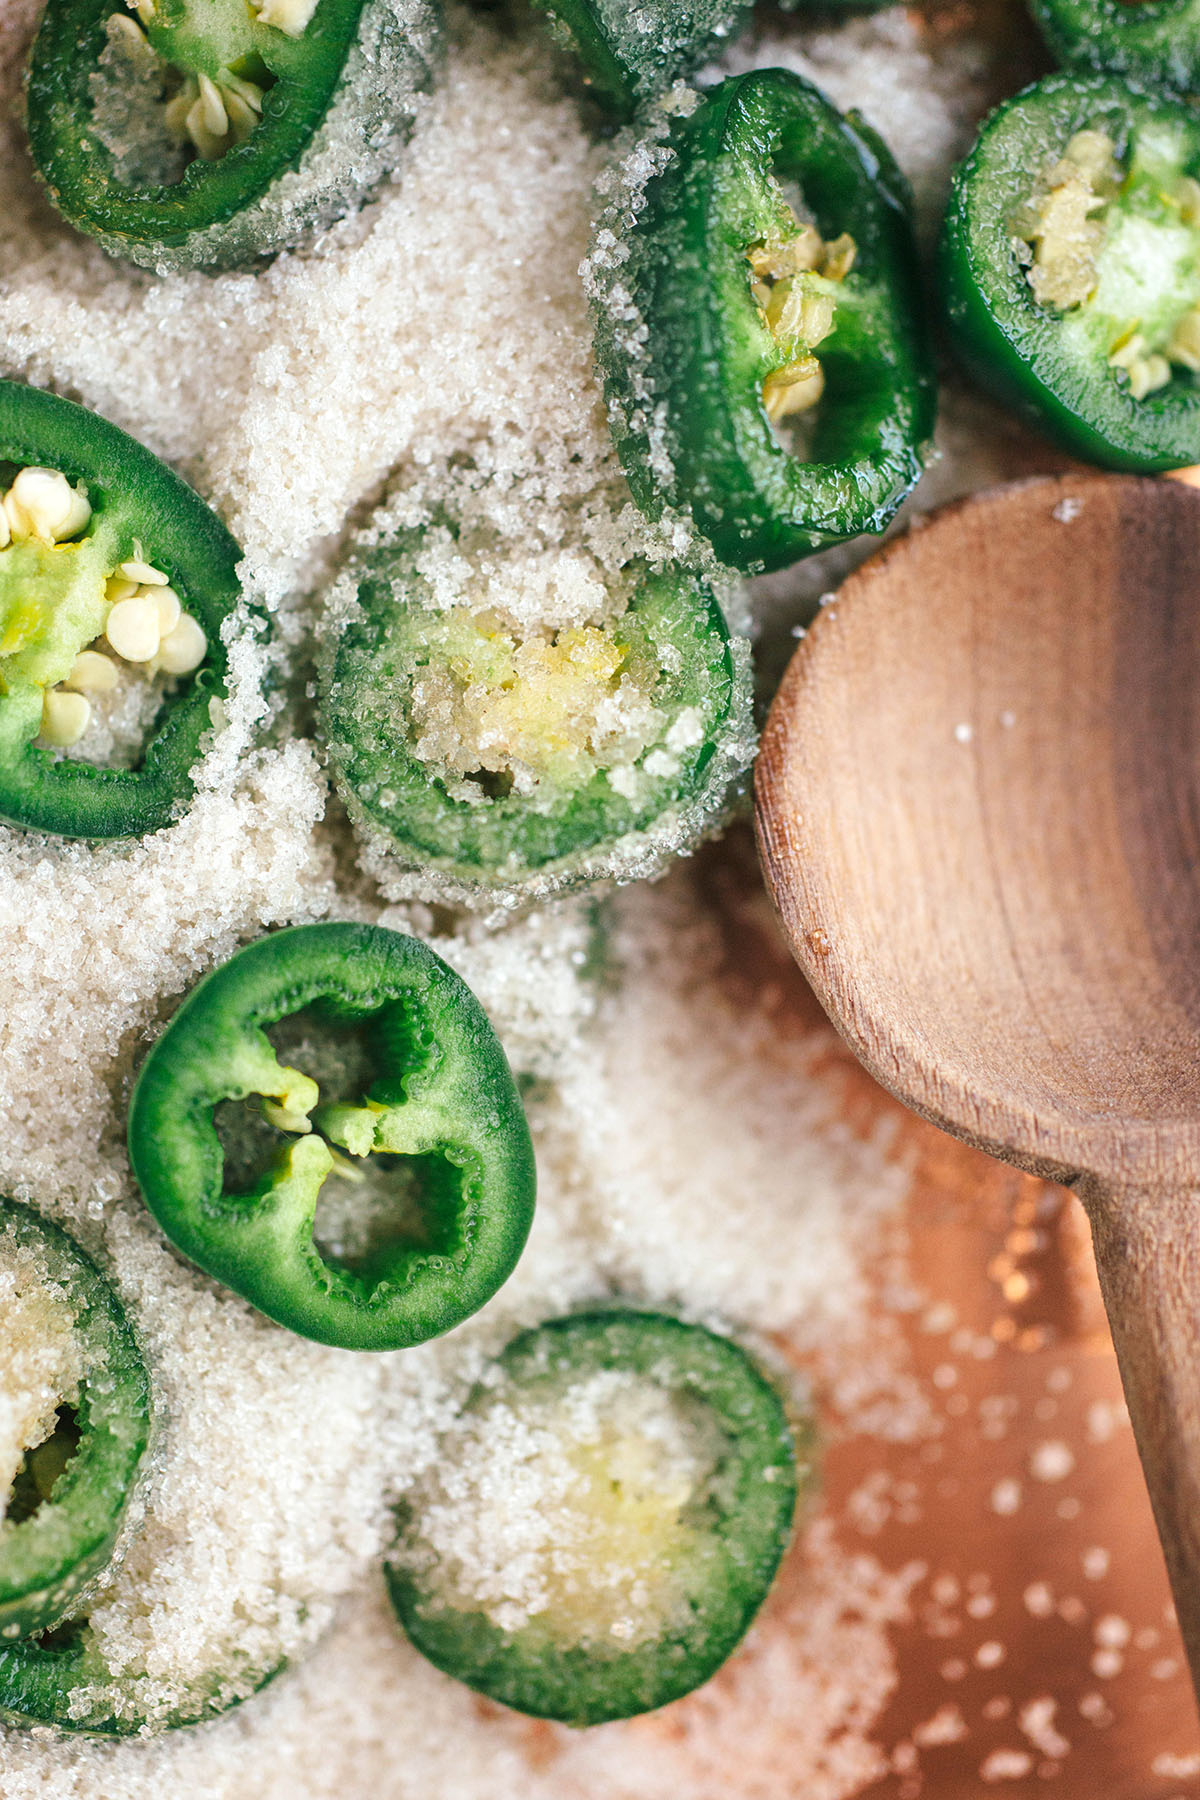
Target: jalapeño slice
[60,1679]
[499,757]
[75,1422]
[115,581]
[1070,265]
[1154,42]
[413,1121]
[631,53]
[765,358]
[605,1519]
[209,133]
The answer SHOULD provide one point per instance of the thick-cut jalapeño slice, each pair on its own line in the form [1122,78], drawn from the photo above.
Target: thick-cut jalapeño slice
[208,133]
[497,754]
[758,324]
[373,1192]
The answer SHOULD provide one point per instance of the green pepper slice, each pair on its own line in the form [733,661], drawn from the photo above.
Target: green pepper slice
[765,360]
[61,1680]
[630,54]
[57,588]
[1071,268]
[420,1127]
[655,1476]
[500,758]
[78,1386]
[1154,42]
[210,133]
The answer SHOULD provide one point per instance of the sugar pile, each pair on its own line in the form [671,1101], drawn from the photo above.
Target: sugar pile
[687,1155]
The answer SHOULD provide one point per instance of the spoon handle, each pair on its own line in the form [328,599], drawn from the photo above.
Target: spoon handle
[1148,1259]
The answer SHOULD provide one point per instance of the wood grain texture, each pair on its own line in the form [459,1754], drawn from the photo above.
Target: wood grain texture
[979,816]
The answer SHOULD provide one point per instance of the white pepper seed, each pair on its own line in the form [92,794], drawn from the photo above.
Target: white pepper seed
[183,649]
[65,717]
[132,629]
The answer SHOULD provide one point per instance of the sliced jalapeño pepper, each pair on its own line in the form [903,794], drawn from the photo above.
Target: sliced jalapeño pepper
[115,580]
[1071,267]
[1154,42]
[74,1427]
[60,1678]
[503,756]
[654,1476]
[631,53]
[758,327]
[209,133]
[413,1120]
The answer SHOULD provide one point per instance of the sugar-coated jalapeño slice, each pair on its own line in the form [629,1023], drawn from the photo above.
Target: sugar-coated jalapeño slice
[74,1424]
[210,133]
[503,758]
[1070,268]
[399,1139]
[631,53]
[1155,43]
[605,1518]
[758,325]
[115,581]
[61,1679]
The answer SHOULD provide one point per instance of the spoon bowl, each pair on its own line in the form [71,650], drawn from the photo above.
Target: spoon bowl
[979,815]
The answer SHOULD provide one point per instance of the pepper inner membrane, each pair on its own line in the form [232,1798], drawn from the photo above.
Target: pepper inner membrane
[1110,243]
[797,282]
[90,636]
[367,1203]
[585,1512]
[182,82]
[497,706]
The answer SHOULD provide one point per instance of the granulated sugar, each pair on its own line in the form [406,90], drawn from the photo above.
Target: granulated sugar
[688,1155]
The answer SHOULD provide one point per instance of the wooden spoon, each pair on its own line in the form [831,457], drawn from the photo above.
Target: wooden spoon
[979,816]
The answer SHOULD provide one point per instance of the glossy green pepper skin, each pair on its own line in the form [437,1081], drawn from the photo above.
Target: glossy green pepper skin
[440,1102]
[1052,366]
[1154,42]
[338,108]
[631,53]
[66,1535]
[738,1528]
[684,349]
[136,501]
[462,840]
